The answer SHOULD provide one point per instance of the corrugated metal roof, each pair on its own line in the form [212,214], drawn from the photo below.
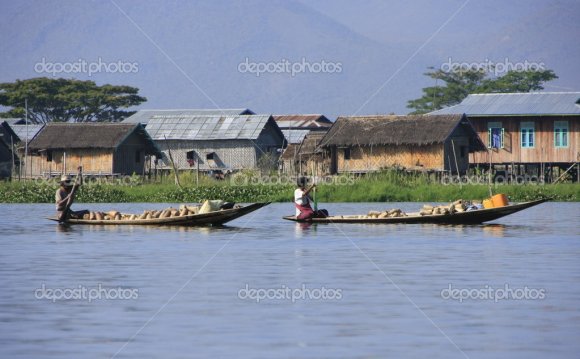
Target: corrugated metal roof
[15,121]
[533,103]
[143,116]
[21,131]
[295,135]
[183,127]
[306,121]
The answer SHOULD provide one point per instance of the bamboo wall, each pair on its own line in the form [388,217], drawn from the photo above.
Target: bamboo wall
[544,150]
[373,158]
[94,161]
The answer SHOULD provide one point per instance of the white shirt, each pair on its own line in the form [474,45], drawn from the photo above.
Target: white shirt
[300,199]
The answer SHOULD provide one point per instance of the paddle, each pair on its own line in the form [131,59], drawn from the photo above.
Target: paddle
[65,214]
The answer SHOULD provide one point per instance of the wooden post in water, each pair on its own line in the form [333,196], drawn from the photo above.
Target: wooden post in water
[456,164]
[172,164]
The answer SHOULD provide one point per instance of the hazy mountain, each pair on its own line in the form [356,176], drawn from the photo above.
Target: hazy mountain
[188,55]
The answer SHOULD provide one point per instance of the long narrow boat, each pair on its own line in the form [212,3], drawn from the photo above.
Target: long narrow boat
[468,217]
[211,218]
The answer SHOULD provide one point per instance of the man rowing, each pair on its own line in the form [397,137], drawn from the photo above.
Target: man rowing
[64,198]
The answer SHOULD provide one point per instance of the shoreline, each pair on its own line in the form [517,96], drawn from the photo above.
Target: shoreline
[359,191]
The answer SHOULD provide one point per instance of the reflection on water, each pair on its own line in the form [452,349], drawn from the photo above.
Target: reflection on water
[189,280]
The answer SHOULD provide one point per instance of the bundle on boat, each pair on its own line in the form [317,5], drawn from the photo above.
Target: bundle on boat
[390,213]
[453,207]
[170,212]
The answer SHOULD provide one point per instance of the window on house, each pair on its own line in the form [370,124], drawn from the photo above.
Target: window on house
[495,135]
[49,156]
[347,153]
[137,156]
[560,133]
[527,131]
[211,156]
[189,157]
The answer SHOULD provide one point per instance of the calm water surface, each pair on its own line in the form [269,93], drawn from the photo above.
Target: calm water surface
[183,291]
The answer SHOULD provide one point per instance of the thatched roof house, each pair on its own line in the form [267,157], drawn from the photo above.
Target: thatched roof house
[101,148]
[370,143]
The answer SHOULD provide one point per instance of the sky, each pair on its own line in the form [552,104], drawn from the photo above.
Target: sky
[272,56]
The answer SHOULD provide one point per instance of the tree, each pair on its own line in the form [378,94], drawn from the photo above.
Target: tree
[67,100]
[457,84]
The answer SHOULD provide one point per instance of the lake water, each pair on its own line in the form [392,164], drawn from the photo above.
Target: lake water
[267,288]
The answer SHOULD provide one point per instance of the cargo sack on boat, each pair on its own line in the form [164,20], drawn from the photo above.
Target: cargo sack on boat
[193,209]
[210,206]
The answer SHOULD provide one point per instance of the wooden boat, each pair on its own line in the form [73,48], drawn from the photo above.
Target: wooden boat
[211,218]
[467,217]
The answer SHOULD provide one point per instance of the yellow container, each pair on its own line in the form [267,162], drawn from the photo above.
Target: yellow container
[487,203]
[499,200]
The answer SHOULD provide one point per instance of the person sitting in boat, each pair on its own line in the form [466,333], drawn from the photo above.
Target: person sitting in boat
[62,196]
[302,201]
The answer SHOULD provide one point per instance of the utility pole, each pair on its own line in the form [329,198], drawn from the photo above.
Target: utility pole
[26,142]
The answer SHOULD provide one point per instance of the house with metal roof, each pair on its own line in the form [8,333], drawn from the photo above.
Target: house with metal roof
[143,116]
[305,158]
[106,149]
[217,142]
[26,133]
[295,129]
[527,134]
[436,143]
[314,122]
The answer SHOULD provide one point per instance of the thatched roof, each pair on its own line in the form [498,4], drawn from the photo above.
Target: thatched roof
[62,136]
[394,130]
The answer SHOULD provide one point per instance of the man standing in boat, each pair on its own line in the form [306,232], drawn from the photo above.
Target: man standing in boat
[302,201]
[64,198]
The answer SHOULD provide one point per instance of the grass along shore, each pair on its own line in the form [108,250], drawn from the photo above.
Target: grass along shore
[385,187]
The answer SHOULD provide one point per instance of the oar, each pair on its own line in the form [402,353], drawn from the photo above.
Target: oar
[64,217]
[315,200]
